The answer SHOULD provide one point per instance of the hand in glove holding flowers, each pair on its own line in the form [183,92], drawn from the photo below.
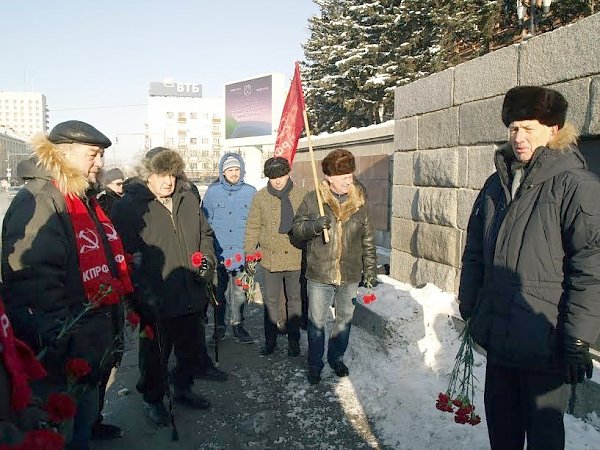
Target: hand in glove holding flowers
[203,264]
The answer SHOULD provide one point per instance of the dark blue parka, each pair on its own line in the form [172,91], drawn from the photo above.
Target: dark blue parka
[531,265]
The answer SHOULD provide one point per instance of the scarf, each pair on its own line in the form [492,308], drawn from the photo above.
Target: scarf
[20,363]
[287,212]
[93,262]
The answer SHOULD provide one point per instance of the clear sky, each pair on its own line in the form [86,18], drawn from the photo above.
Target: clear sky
[94,60]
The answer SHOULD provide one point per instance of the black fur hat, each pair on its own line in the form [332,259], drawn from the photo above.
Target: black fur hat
[163,162]
[276,167]
[547,106]
[338,162]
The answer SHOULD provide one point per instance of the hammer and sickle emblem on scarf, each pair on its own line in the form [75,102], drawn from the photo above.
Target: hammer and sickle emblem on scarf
[111,233]
[90,240]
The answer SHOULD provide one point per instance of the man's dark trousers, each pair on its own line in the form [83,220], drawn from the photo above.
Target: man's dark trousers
[521,404]
[180,334]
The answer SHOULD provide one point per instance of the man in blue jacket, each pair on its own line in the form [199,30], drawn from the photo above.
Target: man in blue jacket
[226,205]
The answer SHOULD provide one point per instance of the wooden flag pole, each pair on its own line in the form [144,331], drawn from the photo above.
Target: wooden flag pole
[314,172]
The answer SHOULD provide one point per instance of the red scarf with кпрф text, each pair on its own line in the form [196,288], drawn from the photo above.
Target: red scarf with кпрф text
[20,363]
[93,262]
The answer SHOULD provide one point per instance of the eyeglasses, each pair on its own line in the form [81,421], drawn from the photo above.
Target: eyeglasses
[119,183]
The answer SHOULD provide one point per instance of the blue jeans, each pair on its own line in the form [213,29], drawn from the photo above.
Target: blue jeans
[229,296]
[320,298]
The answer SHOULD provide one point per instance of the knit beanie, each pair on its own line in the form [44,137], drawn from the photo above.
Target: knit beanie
[230,162]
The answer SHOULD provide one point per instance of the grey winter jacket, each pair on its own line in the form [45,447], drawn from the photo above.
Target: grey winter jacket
[351,248]
[531,266]
[166,242]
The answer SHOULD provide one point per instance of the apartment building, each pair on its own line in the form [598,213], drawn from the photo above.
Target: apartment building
[25,113]
[181,119]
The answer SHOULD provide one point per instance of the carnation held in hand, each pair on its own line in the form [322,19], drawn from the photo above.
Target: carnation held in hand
[461,388]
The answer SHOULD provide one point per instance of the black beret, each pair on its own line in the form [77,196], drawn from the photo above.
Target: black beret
[338,162]
[547,106]
[75,131]
[276,167]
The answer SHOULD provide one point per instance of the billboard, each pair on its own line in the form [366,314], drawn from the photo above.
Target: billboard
[253,109]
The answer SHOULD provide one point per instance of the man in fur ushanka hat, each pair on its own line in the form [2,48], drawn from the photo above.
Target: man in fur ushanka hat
[335,268]
[59,251]
[162,225]
[531,272]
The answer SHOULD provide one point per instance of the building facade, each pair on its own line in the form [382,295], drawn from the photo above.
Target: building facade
[181,119]
[25,113]
[13,150]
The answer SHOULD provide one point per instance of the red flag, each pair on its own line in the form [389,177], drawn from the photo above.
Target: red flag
[292,122]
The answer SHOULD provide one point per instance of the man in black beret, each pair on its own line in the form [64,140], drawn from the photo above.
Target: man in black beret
[60,254]
[531,272]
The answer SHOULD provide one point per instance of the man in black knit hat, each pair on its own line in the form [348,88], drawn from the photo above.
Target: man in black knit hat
[531,272]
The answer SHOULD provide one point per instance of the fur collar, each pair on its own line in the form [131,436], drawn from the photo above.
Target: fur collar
[343,212]
[69,180]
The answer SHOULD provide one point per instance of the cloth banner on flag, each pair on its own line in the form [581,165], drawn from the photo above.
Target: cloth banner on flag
[292,121]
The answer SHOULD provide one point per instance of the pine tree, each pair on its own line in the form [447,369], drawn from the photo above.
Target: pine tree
[359,51]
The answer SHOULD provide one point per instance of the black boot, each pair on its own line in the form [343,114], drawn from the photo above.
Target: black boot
[157,413]
[268,348]
[189,398]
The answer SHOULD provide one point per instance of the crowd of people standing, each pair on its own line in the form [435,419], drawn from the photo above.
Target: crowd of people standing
[75,262]
[102,247]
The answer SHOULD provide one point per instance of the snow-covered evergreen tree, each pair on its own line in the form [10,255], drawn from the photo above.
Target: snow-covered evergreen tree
[360,50]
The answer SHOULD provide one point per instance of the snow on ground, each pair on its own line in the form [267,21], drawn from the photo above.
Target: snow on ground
[394,385]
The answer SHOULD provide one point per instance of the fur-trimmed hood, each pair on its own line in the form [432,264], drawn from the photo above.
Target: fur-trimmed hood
[49,163]
[343,211]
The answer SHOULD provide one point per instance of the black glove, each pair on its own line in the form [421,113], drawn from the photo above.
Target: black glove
[206,269]
[321,223]
[578,362]
[370,282]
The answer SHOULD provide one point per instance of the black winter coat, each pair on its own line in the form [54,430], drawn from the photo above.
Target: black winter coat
[166,242]
[531,266]
[351,248]
[40,268]
[108,199]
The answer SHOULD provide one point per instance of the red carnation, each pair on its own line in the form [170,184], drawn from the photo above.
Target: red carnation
[369,298]
[238,257]
[147,332]
[238,282]
[43,440]
[228,263]
[78,368]
[474,420]
[197,258]
[250,258]
[245,287]
[133,319]
[60,407]
[258,256]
